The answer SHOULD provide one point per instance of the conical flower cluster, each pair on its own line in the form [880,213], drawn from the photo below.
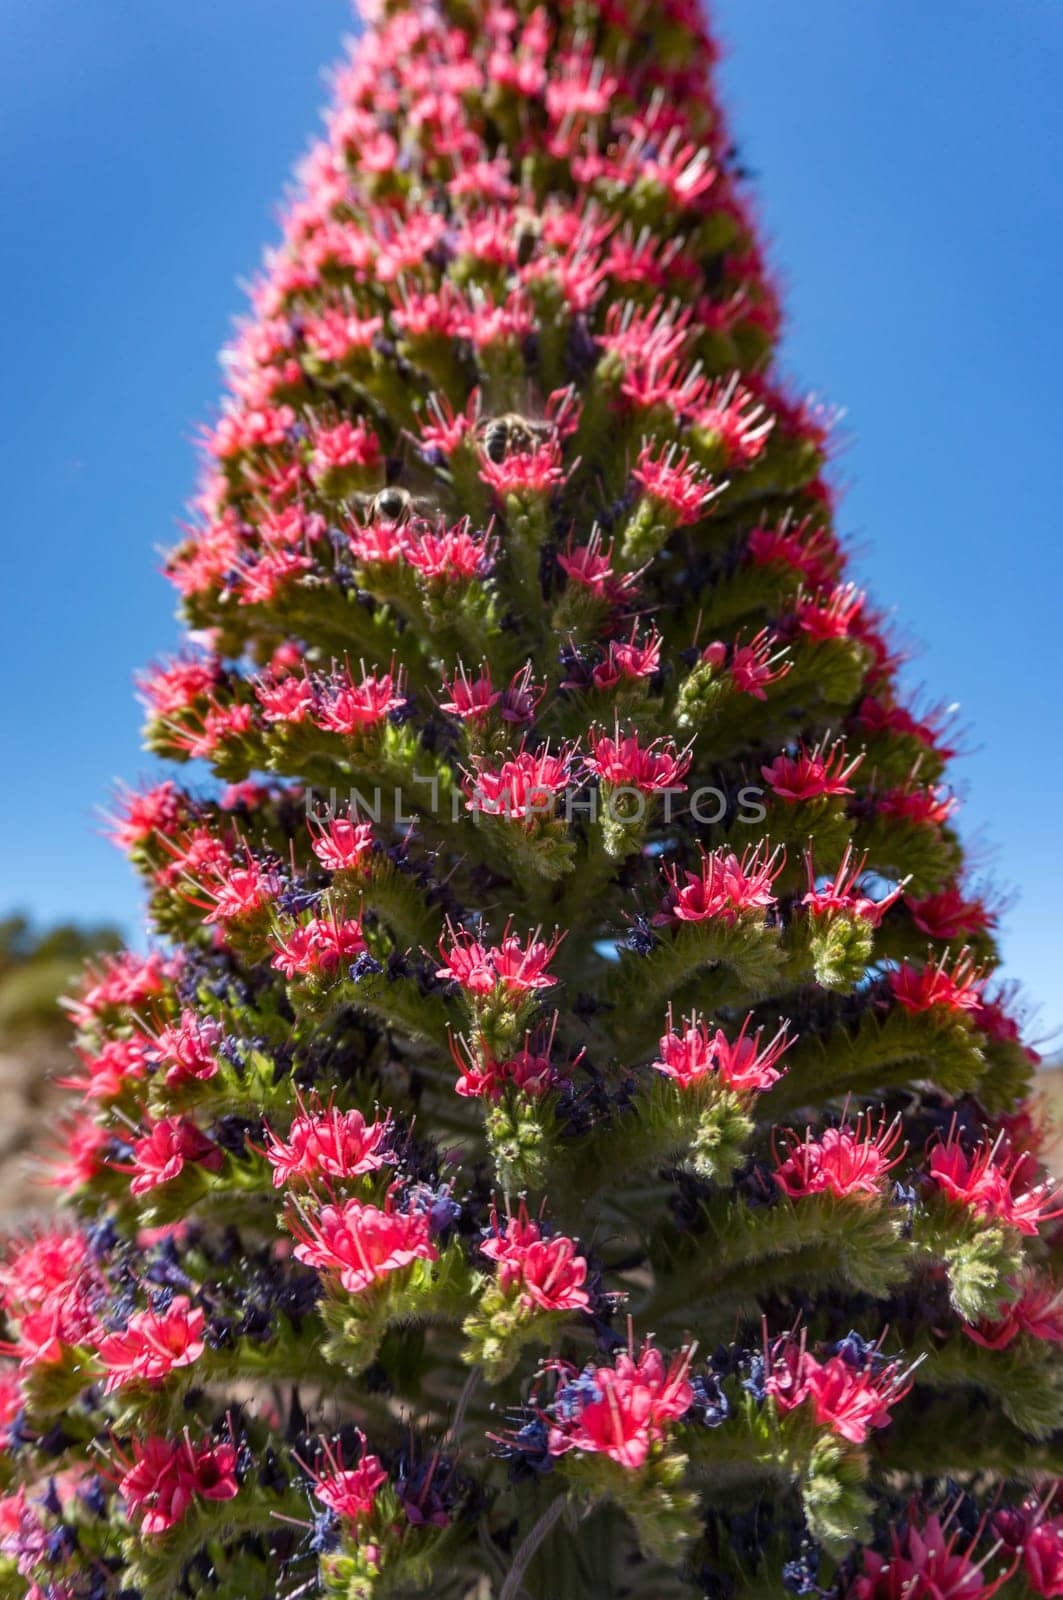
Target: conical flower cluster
[565,1138]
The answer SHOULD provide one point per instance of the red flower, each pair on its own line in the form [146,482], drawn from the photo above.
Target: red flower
[812,773]
[841,893]
[694,1054]
[803,547]
[346,445]
[756,665]
[290,700]
[350,707]
[674,483]
[240,894]
[925,1564]
[480,968]
[933,986]
[360,1244]
[329,1143]
[725,886]
[849,1400]
[1037,1539]
[1037,1311]
[349,1492]
[590,566]
[318,946]
[628,662]
[153,1344]
[118,1063]
[139,817]
[470,698]
[621,1411]
[948,914]
[929,807]
[160,1156]
[832,614]
[988,1185]
[842,1161]
[734,420]
[535,472]
[186,1049]
[340,844]
[547,1273]
[163,1479]
[1042,1557]
[524,788]
[626,764]
[449,554]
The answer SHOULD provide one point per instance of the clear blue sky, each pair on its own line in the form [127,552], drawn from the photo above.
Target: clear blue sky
[908,159]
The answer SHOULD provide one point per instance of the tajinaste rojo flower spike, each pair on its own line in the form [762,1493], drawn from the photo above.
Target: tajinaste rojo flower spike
[521,275]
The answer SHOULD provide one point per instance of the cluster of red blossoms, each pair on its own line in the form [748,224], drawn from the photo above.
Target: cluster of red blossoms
[164,1479]
[505,501]
[848,1397]
[619,1411]
[544,1272]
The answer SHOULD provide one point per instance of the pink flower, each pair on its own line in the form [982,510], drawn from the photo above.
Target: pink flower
[625,763]
[803,547]
[731,416]
[948,914]
[329,1143]
[239,894]
[1037,1311]
[988,1185]
[447,555]
[621,1411]
[842,1161]
[1037,1538]
[925,1563]
[627,662]
[359,1244]
[480,968]
[153,1344]
[350,707]
[346,445]
[349,1492]
[186,1049]
[811,773]
[590,567]
[848,1399]
[319,946]
[525,786]
[548,1274]
[118,1063]
[929,807]
[534,472]
[757,665]
[139,817]
[470,698]
[164,1479]
[160,1156]
[694,1054]
[724,887]
[841,893]
[831,614]
[120,981]
[936,987]
[340,844]
[674,483]
[291,700]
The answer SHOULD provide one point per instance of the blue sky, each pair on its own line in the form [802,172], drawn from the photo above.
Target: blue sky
[907,160]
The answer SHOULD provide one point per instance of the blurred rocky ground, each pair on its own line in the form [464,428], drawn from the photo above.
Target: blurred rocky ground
[36,969]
